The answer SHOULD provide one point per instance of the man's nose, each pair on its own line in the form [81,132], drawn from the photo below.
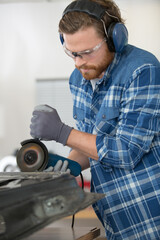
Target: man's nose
[79,61]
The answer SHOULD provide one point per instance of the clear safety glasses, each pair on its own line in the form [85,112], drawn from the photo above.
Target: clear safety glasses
[87,54]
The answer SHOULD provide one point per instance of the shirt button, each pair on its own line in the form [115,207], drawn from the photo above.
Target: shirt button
[103,116]
[75,116]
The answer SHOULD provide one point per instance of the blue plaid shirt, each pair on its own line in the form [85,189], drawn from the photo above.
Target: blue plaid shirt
[124,112]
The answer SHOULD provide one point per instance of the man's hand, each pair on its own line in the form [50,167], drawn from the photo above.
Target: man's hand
[59,167]
[47,125]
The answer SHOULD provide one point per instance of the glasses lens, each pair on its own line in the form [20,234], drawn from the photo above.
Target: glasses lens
[87,54]
[69,53]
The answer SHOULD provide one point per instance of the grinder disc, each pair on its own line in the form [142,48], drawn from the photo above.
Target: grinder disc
[31,157]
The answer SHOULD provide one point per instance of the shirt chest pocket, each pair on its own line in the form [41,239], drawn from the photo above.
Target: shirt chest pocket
[107,119]
[78,114]
[79,117]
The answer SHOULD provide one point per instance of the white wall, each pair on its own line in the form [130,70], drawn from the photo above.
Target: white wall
[30,50]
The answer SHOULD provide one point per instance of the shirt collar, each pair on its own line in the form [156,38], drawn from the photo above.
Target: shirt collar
[112,66]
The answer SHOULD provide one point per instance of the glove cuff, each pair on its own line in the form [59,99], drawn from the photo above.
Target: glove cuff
[64,133]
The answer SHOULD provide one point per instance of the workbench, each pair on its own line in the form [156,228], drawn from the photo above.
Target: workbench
[61,233]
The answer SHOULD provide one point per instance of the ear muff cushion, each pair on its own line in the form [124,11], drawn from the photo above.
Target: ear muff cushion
[110,42]
[117,37]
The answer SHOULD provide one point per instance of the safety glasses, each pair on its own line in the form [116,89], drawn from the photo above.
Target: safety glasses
[87,54]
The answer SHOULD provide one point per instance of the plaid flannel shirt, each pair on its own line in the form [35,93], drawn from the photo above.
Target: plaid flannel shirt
[124,112]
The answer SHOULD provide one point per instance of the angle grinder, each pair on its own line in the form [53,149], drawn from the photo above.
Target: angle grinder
[34,156]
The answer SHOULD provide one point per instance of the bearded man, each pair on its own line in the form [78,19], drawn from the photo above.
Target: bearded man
[116,104]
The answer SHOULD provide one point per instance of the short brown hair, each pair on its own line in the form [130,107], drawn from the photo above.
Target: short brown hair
[74,21]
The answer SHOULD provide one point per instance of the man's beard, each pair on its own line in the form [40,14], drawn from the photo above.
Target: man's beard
[94,71]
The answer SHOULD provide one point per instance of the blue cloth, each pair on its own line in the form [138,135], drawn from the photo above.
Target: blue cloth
[124,112]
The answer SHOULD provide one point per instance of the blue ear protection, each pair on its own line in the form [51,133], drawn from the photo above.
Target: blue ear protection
[117,34]
[117,37]
[61,38]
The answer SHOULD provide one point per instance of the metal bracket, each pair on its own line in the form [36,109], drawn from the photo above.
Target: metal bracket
[50,207]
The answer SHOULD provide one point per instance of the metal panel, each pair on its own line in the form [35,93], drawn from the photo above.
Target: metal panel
[30,201]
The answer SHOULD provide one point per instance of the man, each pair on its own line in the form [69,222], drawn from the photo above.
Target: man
[116,103]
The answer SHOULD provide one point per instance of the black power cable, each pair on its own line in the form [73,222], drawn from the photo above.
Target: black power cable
[73,217]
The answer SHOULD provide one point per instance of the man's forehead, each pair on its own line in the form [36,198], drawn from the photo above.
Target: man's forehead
[82,40]
[82,34]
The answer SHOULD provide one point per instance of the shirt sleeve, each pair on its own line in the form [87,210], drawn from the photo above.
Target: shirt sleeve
[138,122]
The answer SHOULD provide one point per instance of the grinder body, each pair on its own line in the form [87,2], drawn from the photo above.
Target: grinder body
[34,156]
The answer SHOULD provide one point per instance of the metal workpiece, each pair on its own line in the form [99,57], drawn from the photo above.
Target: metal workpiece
[30,201]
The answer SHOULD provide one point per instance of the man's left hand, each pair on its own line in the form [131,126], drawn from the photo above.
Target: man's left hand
[47,125]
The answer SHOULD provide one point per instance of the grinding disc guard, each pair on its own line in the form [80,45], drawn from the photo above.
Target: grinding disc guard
[32,157]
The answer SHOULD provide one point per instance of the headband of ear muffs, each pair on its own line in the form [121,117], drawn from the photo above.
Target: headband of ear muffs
[91,8]
[117,34]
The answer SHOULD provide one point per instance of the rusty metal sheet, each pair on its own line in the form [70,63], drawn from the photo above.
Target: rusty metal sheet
[30,201]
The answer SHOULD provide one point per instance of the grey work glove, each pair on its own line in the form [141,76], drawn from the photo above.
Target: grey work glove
[47,125]
[59,167]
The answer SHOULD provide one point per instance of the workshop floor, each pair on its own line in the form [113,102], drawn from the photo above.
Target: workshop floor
[84,218]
